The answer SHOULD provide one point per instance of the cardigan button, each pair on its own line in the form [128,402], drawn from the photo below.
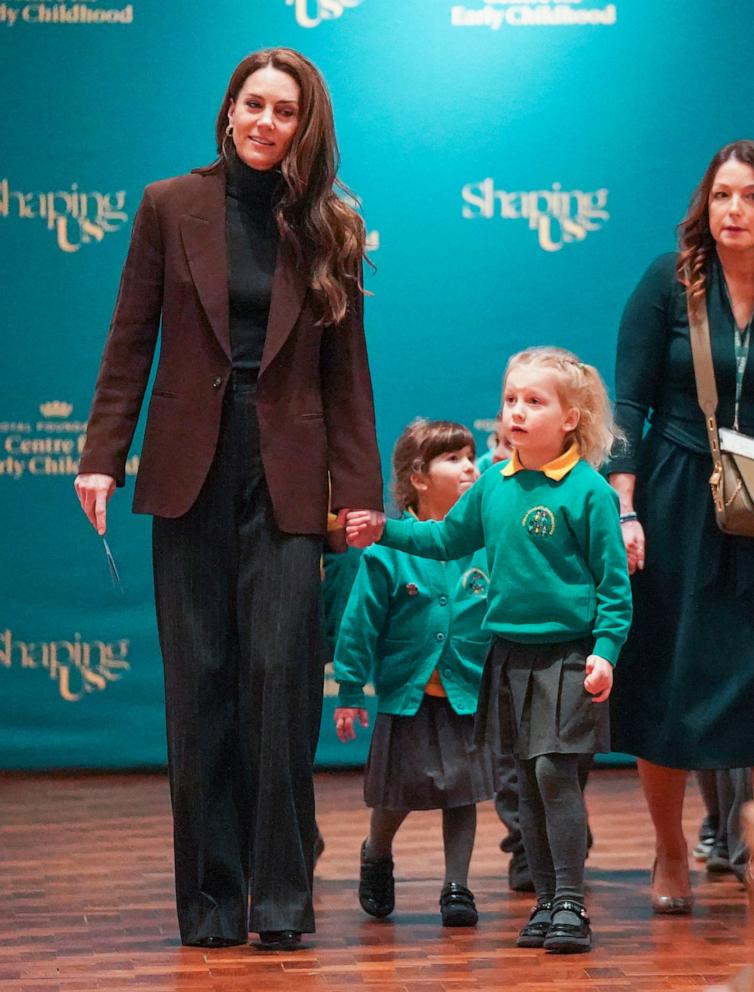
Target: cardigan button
[440,636]
[443,600]
[216,383]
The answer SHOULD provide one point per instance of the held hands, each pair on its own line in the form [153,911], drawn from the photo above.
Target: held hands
[344,717]
[363,527]
[93,491]
[599,678]
[633,540]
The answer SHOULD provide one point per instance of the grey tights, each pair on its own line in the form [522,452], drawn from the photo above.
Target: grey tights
[553,824]
[458,832]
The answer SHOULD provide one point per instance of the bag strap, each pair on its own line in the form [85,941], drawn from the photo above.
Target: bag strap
[704,372]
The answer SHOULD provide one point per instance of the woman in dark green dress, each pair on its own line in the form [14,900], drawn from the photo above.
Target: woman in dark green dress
[684,696]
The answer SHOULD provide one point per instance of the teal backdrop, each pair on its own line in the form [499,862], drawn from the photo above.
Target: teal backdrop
[519,166]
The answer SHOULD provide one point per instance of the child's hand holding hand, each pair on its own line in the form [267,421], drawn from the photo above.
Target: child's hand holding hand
[344,717]
[364,527]
[599,678]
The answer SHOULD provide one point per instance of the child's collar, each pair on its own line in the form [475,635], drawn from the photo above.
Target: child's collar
[557,469]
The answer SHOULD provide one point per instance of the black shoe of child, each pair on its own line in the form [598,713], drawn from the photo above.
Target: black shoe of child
[457,906]
[376,885]
[535,931]
[569,931]
[718,859]
[519,876]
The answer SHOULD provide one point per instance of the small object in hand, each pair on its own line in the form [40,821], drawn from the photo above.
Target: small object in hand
[111,566]
[412,589]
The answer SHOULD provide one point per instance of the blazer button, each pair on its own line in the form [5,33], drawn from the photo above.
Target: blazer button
[216,383]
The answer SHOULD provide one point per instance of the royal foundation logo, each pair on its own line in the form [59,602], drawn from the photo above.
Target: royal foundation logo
[48,445]
[495,14]
[558,217]
[74,217]
[76,667]
[87,12]
[312,13]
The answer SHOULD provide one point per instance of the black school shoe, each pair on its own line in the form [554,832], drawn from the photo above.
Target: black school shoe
[565,936]
[376,885]
[535,931]
[279,940]
[457,906]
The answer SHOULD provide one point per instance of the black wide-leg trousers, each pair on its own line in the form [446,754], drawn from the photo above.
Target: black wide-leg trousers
[237,610]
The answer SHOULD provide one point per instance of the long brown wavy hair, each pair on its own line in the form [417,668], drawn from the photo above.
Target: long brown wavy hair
[326,235]
[695,240]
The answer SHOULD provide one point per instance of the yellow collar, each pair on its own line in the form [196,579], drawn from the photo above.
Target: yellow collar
[556,469]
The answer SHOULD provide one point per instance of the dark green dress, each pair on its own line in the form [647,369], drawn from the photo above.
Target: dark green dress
[684,686]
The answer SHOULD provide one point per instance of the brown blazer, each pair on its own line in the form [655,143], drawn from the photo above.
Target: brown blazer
[314,393]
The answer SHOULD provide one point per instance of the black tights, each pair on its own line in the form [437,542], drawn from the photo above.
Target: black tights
[458,832]
[553,824]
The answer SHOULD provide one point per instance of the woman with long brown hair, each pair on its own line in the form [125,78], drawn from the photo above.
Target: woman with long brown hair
[684,696]
[261,403]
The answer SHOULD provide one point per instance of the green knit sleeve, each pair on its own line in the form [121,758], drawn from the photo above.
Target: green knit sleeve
[364,617]
[460,533]
[606,556]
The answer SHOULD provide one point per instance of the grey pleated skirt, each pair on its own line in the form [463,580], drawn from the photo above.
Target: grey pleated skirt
[533,701]
[427,761]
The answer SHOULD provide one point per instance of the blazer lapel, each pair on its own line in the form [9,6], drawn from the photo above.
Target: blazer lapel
[204,242]
[288,292]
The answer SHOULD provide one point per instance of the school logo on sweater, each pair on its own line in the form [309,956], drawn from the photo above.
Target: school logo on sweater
[539,521]
[475,581]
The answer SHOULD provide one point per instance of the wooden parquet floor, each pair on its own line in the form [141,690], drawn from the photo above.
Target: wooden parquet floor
[87,903]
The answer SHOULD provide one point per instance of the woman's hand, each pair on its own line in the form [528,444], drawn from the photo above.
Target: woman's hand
[599,678]
[344,717]
[634,543]
[364,527]
[93,491]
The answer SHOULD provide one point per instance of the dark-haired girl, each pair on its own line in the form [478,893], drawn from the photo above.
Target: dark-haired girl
[413,628]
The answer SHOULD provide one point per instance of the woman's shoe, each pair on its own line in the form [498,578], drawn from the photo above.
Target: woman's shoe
[670,905]
[279,940]
[535,931]
[376,885]
[569,932]
[457,906]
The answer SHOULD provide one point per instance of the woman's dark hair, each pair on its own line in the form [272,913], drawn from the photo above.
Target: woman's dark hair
[325,233]
[420,442]
[694,237]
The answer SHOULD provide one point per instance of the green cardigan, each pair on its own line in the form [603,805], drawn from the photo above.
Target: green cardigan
[557,563]
[405,617]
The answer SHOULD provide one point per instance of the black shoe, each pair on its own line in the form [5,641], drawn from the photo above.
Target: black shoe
[569,931]
[376,885]
[718,859]
[319,847]
[279,940]
[535,931]
[457,906]
[214,942]
[519,876]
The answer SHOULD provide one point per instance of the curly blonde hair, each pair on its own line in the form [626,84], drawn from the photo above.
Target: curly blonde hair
[579,385]
[419,443]
[695,241]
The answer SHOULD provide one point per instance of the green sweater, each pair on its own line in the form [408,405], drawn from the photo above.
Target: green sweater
[557,563]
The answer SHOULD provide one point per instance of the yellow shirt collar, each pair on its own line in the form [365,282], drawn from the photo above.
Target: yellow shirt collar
[556,469]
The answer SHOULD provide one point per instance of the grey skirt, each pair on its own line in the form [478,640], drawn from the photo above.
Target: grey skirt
[533,701]
[427,761]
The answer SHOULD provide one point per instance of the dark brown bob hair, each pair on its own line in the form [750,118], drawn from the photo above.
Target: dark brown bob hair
[323,231]
[420,442]
[695,240]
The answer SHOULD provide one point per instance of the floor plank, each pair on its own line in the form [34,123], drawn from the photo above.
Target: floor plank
[87,895]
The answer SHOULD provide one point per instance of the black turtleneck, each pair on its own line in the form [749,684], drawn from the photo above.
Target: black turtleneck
[252,238]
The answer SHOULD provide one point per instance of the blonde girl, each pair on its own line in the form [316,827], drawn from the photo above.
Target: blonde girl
[559,609]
